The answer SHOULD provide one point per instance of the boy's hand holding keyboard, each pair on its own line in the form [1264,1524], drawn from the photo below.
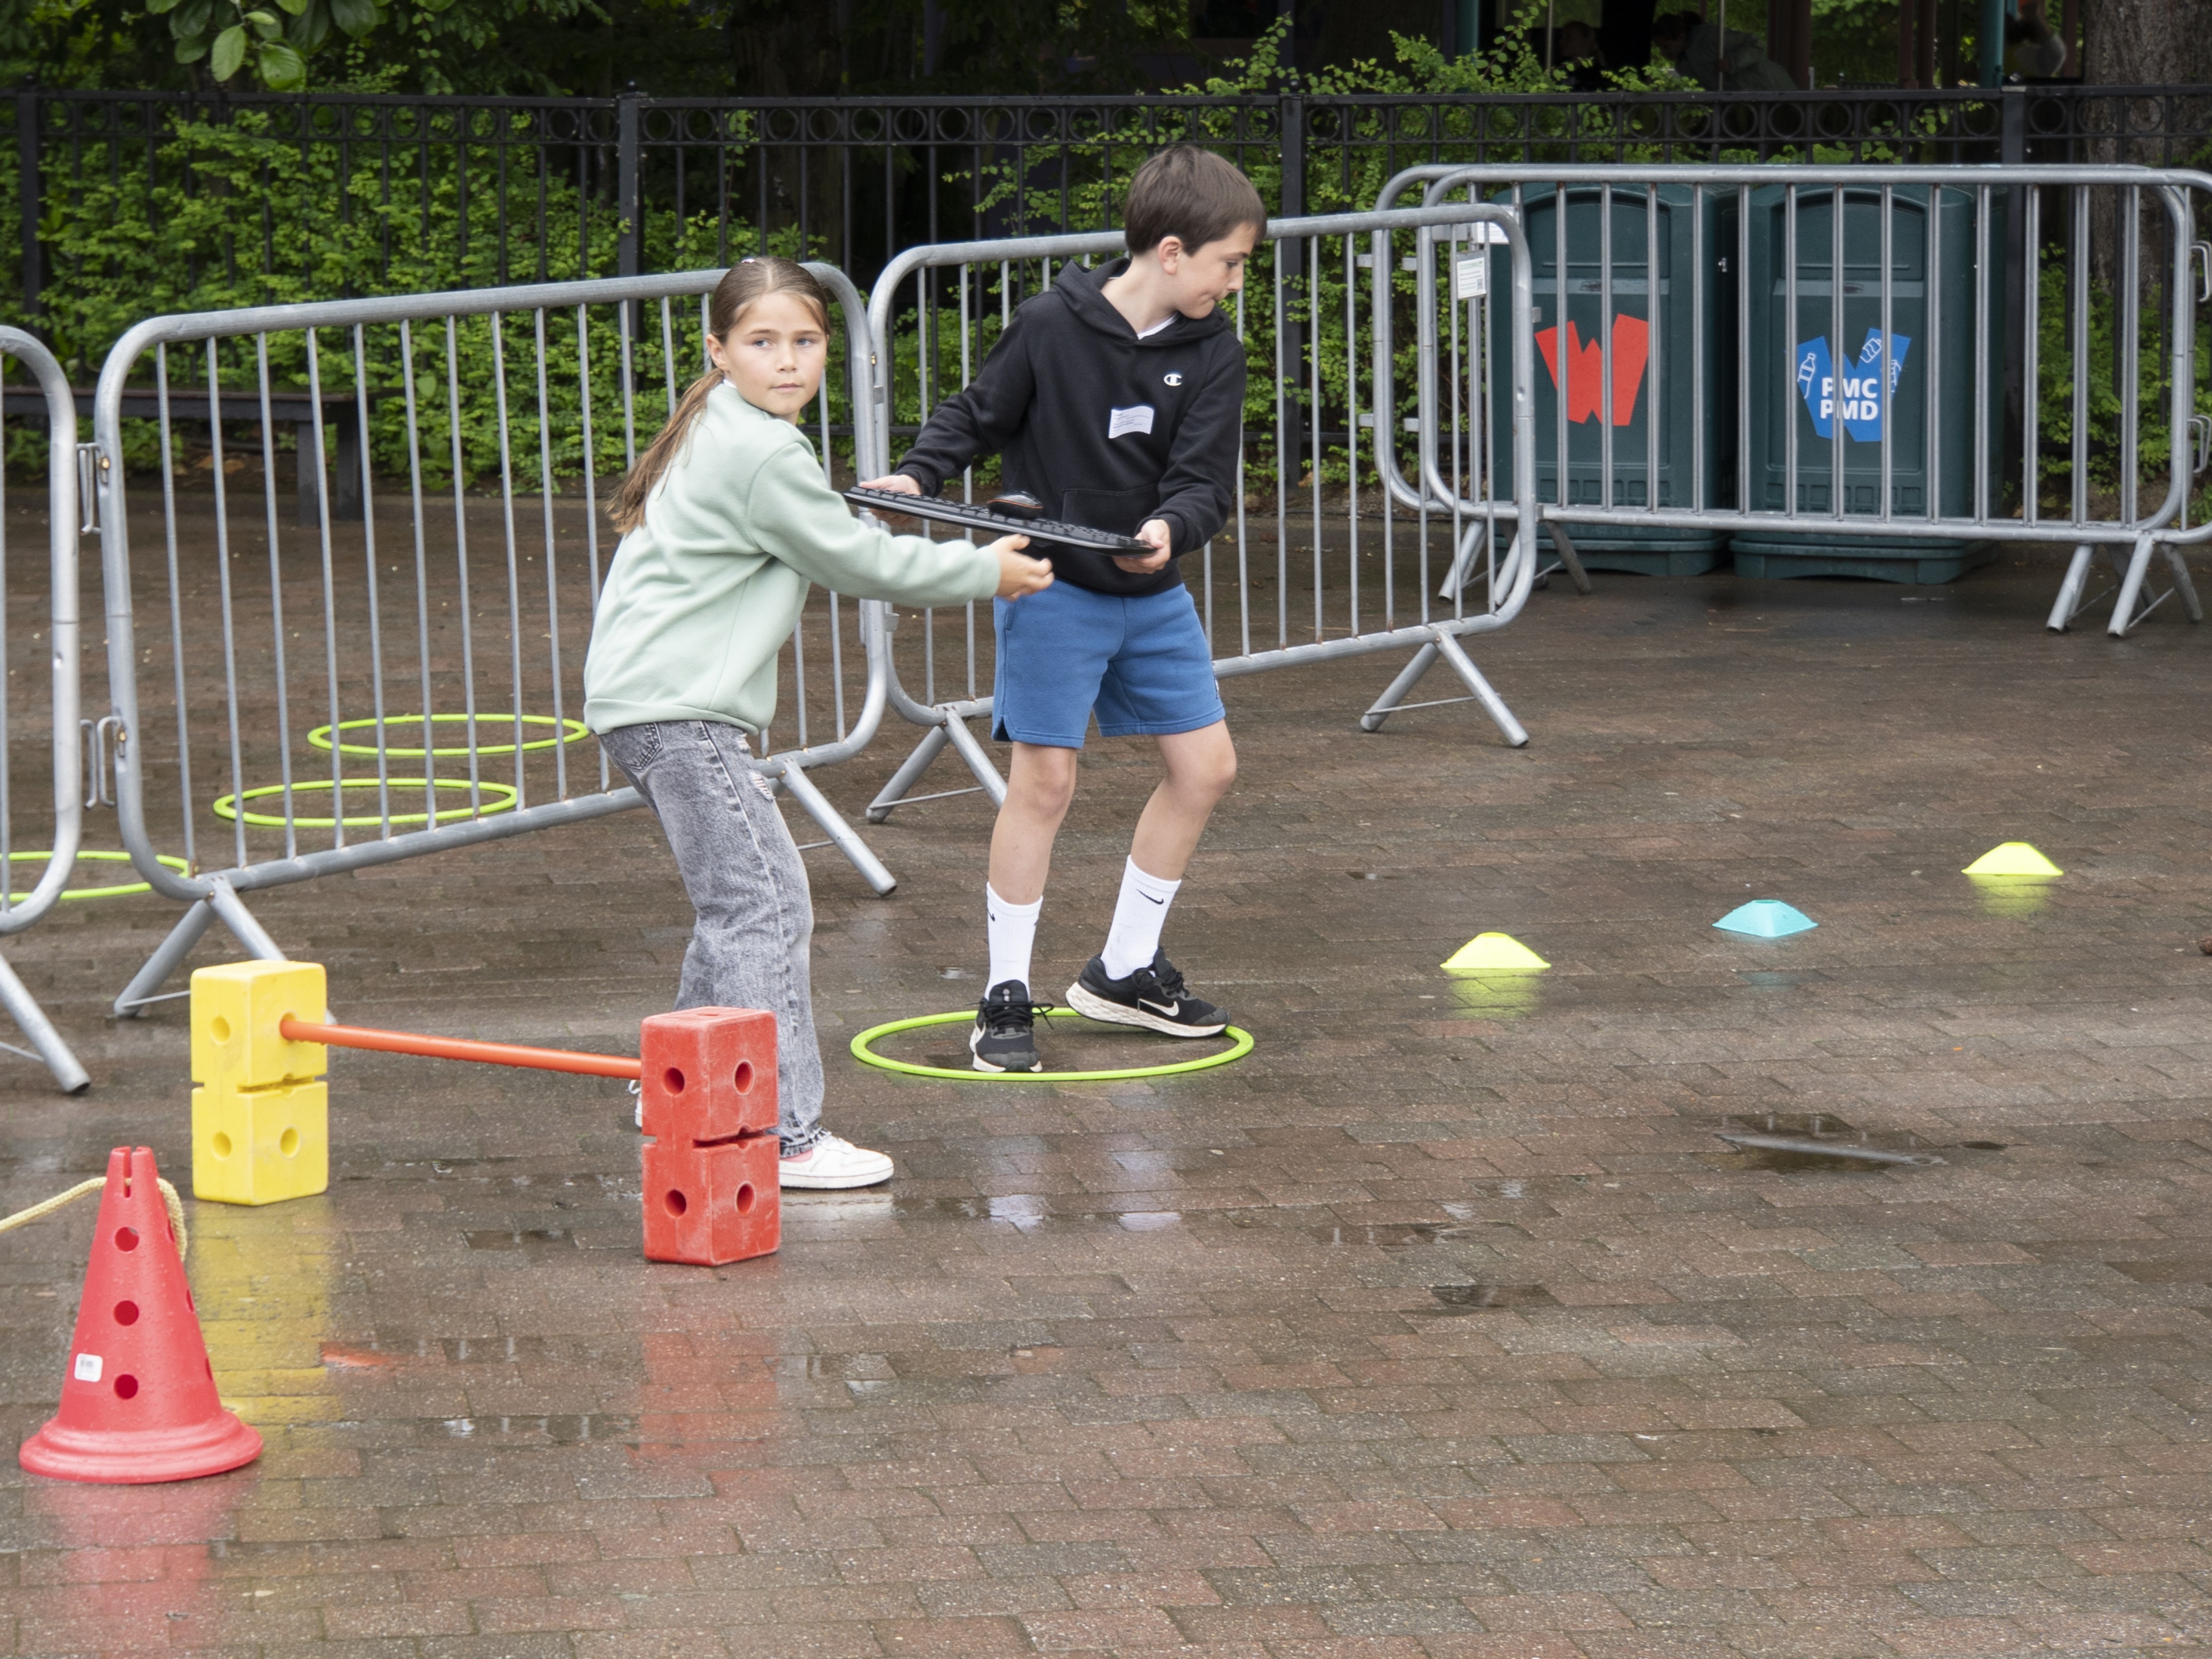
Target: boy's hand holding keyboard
[1156,534]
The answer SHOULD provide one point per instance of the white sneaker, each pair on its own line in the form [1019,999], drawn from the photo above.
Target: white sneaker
[832,1163]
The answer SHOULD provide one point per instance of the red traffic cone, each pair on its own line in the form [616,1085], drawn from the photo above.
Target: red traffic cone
[139,1401]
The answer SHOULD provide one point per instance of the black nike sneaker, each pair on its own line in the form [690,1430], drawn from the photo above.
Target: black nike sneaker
[1005,1037]
[1153,997]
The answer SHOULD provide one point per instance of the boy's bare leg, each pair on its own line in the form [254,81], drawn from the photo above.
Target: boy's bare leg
[1200,767]
[1040,784]
[1130,982]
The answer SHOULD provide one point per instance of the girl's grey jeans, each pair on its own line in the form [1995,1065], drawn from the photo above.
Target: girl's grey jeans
[754,918]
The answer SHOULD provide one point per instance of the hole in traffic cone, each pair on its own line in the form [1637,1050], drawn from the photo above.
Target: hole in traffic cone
[138,1403]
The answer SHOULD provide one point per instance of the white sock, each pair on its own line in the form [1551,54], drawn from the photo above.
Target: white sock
[1139,916]
[1013,931]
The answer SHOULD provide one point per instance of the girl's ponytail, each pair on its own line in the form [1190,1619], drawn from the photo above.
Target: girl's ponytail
[740,286]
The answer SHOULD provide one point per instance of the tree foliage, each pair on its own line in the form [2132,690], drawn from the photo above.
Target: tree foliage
[775,48]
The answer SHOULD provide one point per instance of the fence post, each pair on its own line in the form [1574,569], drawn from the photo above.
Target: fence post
[26,197]
[1290,260]
[631,237]
[2011,152]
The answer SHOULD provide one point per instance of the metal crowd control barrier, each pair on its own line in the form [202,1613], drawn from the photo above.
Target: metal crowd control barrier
[1352,562]
[18,912]
[2020,400]
[444,718]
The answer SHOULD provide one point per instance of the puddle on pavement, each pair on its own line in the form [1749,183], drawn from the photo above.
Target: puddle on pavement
[2012,896]
[1064,1045]
[1479,1298]
[1390,1235]
[1801,1142]
[557,1429]
[525,1239]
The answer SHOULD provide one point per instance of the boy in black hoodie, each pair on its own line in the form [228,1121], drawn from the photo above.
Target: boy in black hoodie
[1116,399]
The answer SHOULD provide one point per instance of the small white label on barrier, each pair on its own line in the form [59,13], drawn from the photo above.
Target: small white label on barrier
[87,1368]
[1470,276]
[1138,419]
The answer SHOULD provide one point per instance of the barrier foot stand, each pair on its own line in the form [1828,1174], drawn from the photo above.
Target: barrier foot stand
[2187,588]
[221,904]
[909,775]
[1409,678]
[2070,604]
[955,731]
[1564,546]
[2131,607]
[1492,704]
[41,1030]
[1444,645]
[856,851]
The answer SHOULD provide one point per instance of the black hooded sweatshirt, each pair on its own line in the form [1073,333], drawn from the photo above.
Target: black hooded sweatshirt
[1104,428]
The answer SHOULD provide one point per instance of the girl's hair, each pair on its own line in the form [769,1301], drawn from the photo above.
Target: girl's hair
[741,285]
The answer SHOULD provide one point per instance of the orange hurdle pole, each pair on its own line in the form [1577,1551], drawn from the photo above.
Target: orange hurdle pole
[438,1047]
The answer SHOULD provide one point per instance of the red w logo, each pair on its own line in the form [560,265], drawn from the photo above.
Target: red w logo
[1632,347]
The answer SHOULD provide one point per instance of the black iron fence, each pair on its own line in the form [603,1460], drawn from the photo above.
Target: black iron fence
[128,203]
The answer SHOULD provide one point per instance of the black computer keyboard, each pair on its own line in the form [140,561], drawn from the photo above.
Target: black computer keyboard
[976,516]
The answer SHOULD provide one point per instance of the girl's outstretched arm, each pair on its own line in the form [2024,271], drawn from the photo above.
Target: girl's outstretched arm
[797,518]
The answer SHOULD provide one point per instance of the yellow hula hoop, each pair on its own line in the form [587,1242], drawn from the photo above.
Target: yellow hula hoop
[226,807]
[864,1051]
[567,730]
[122,891]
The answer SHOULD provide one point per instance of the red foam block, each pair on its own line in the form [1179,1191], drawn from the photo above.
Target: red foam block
[710,1205]
[708,1074]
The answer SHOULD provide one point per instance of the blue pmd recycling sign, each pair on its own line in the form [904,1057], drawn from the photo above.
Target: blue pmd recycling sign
[1861,394]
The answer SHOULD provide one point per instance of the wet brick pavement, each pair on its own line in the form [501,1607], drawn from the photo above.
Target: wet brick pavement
[1441,1326]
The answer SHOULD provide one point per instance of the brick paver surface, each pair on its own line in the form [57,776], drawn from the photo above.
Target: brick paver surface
[1444,1325]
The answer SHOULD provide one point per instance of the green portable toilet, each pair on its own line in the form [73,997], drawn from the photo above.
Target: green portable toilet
[1799,366]
[1657,341]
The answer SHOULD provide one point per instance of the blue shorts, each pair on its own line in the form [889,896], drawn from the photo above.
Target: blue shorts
[1142,663]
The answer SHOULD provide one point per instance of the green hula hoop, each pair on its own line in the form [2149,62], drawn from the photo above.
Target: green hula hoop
[567,730]
[170,860]
[226,806]
[864,1051]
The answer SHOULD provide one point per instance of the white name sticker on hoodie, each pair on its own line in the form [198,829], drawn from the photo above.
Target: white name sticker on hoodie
[1138,419]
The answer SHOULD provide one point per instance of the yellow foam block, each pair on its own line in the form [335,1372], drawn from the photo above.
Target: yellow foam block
[236,1009]
[2013,858]
[1494,953]
[260,1145]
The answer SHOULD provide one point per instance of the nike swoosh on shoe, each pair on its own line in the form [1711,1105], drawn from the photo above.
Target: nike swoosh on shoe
[1168,1009]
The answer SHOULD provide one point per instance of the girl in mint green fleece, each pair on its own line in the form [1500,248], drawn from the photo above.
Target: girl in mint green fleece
[728,521]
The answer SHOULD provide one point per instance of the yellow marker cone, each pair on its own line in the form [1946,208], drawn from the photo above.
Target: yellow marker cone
[1495,953]
[2013,858]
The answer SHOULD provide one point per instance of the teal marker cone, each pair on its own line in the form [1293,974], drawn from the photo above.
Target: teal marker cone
[1766,919]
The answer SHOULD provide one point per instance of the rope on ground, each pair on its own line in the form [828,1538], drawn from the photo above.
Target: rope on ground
[47,1206]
